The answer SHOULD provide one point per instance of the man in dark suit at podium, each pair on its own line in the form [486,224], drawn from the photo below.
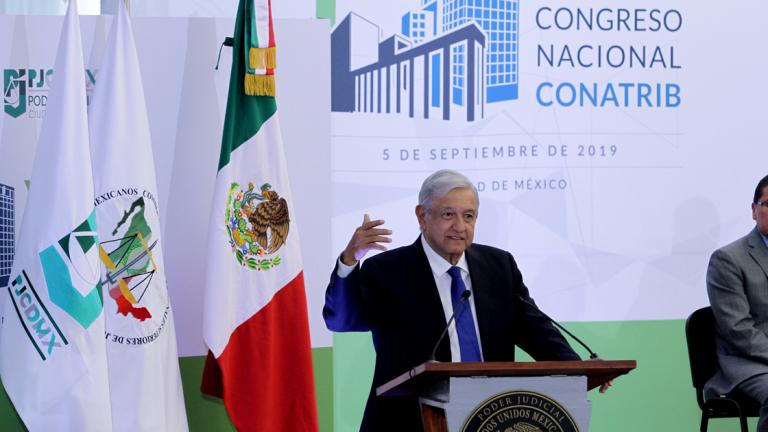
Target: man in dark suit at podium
[737,284]
[405,297]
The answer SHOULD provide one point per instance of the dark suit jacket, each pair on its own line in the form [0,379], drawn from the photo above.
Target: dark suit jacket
[737,284]
[394,296]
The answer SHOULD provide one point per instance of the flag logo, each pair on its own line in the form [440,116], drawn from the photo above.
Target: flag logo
[131,258]
[71,270]
[130,263]
[257,223]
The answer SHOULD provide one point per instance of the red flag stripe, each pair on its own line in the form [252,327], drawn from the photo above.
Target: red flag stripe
[266,369]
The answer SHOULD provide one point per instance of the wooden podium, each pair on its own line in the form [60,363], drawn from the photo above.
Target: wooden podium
[449,391]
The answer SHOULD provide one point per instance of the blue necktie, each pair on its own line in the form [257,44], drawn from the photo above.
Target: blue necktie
[465,325]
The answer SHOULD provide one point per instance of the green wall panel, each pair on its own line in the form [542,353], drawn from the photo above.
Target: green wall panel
[204,413]
[207,414]
[326,9]
[9,421]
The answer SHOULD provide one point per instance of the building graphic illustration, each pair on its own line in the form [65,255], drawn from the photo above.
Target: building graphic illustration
[449,60]
[6,232]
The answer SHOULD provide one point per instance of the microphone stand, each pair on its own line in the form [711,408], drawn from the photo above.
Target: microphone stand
[592,354]
[462,304]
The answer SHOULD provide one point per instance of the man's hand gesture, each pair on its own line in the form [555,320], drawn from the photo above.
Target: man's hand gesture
[366,237]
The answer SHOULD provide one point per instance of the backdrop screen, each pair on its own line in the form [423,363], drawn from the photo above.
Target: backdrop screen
[615,146]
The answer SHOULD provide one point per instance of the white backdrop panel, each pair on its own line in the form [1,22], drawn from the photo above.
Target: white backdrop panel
[622,225]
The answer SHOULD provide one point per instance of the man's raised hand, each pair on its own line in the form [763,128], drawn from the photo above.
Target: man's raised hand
[366,237]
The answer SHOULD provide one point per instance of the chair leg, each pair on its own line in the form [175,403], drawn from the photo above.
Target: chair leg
[742,417]
[704,421]
[743,422]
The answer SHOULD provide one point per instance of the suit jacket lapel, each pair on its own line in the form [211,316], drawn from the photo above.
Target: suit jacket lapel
[421,273]
[758,250]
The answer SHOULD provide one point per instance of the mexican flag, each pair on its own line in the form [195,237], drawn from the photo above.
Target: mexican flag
[52,348]
[255,315]
[145,383]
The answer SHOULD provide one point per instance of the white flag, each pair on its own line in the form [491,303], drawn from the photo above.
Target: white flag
[144,379]
[52,348]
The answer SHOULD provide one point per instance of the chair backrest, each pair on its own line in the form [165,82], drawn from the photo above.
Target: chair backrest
[702,354]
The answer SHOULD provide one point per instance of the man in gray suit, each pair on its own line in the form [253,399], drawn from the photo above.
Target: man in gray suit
[737,284]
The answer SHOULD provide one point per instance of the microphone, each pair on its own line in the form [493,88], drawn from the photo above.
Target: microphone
[462,304]
[592,354]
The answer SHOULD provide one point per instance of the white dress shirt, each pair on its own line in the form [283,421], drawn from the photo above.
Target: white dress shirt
[439,267]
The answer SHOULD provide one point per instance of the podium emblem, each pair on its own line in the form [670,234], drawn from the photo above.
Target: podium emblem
[520,411]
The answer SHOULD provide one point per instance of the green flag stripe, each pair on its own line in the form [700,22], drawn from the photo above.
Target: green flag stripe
[245,114]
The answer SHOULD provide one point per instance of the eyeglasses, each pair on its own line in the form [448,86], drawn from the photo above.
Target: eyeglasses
[763,203]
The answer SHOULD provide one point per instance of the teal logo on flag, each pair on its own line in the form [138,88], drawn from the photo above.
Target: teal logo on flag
[71,269]
[40,327]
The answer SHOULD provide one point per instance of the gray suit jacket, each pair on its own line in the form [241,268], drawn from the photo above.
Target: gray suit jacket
[737,284]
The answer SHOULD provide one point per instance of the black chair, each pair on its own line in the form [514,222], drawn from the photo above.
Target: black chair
[702,354]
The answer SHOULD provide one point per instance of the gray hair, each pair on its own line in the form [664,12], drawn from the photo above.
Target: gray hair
[440,183]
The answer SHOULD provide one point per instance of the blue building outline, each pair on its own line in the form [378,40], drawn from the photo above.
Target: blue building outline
[369,88]
[444,35]
[7,244]
[499,20]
